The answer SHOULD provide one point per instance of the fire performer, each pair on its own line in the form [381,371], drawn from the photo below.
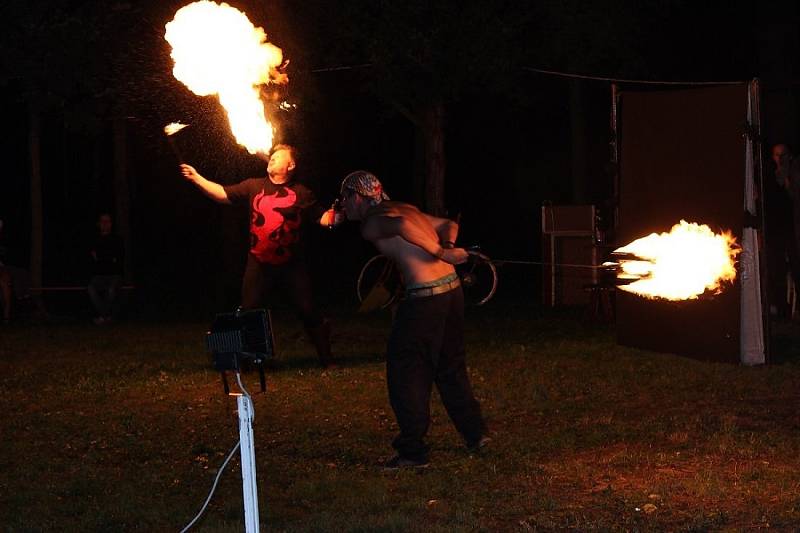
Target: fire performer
[426,345]
[280,207]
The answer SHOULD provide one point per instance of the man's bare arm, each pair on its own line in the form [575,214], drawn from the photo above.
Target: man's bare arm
[384,227]
[213,190]
[446,229]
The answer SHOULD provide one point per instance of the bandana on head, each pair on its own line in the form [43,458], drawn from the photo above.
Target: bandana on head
[366,184]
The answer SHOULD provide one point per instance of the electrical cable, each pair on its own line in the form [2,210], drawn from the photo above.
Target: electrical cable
[213,488]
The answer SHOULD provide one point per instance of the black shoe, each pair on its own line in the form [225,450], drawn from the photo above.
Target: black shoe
[479,445]
[398,461]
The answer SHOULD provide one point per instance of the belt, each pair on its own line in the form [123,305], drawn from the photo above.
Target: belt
[424,292]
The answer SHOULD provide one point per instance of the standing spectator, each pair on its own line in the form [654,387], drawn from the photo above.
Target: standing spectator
[780,194]
[107,262]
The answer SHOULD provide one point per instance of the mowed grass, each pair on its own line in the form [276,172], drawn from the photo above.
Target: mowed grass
[123,429]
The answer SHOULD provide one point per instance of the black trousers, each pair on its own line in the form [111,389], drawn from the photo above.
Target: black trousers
[426,346]
[259,284]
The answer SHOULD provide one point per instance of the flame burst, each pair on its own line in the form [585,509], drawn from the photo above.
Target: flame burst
[217,50]
[681,264]
[174,127]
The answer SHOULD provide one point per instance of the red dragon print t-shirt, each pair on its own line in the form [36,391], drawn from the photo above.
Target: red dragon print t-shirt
[277,213]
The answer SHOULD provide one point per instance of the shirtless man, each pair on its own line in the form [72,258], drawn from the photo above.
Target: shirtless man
[426,345]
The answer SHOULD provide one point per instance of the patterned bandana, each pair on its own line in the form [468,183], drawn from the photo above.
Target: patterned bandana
[366,184]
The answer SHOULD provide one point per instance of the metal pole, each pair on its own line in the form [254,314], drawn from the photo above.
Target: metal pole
[247,451]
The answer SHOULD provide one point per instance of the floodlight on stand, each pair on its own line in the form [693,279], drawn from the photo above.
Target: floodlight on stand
[240,340]
[236,341]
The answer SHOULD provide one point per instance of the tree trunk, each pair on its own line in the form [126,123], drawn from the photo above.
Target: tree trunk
[577,117]
[434,157]
[37,219]
[419,168]
[122,193]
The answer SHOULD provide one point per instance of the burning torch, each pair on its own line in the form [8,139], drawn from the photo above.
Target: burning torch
[170,130]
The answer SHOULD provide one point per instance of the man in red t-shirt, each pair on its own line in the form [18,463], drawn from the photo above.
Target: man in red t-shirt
[279,209]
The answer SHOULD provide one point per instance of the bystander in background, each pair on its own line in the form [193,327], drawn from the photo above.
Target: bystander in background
[107,253]
[781,198]
[15,281]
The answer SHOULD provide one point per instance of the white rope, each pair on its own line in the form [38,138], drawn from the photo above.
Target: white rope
[543,263]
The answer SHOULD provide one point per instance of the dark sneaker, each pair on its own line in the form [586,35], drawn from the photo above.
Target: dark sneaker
[397,462]
[480,445]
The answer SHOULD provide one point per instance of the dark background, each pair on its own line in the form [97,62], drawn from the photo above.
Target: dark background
[511,136]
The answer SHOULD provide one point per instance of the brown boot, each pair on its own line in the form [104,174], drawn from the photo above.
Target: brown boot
[321,338]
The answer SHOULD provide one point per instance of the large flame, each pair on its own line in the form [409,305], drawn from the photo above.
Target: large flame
[217,50]
[679,265]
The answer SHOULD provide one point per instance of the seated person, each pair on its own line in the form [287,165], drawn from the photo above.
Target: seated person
[14,281]
[107,254]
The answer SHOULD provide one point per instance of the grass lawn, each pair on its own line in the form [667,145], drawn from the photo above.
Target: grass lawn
[123,428]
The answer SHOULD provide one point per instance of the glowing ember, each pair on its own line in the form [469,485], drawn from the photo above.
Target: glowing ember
[681,264]
[174,127]
[217,50]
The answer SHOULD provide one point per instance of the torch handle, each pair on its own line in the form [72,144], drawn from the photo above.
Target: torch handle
[175,150]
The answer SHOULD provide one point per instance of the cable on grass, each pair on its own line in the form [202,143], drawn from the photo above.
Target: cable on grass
[213,488]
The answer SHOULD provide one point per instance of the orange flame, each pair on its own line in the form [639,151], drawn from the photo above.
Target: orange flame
[679,265]
[217,50]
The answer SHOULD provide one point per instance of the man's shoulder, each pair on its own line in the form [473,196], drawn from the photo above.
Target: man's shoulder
[249,185]
[391,208]
[254,182]
[298,185]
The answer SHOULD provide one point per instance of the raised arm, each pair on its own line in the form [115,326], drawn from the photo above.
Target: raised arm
[213,190]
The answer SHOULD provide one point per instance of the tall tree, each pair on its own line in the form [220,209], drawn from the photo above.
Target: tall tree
[61,54]
[422,57]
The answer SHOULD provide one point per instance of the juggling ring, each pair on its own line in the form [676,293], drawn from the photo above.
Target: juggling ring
[379,284]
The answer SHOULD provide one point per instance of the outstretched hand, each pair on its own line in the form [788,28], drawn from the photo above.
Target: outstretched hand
[189,172]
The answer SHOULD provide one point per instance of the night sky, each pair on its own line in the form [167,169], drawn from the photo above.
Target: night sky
[508,132]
